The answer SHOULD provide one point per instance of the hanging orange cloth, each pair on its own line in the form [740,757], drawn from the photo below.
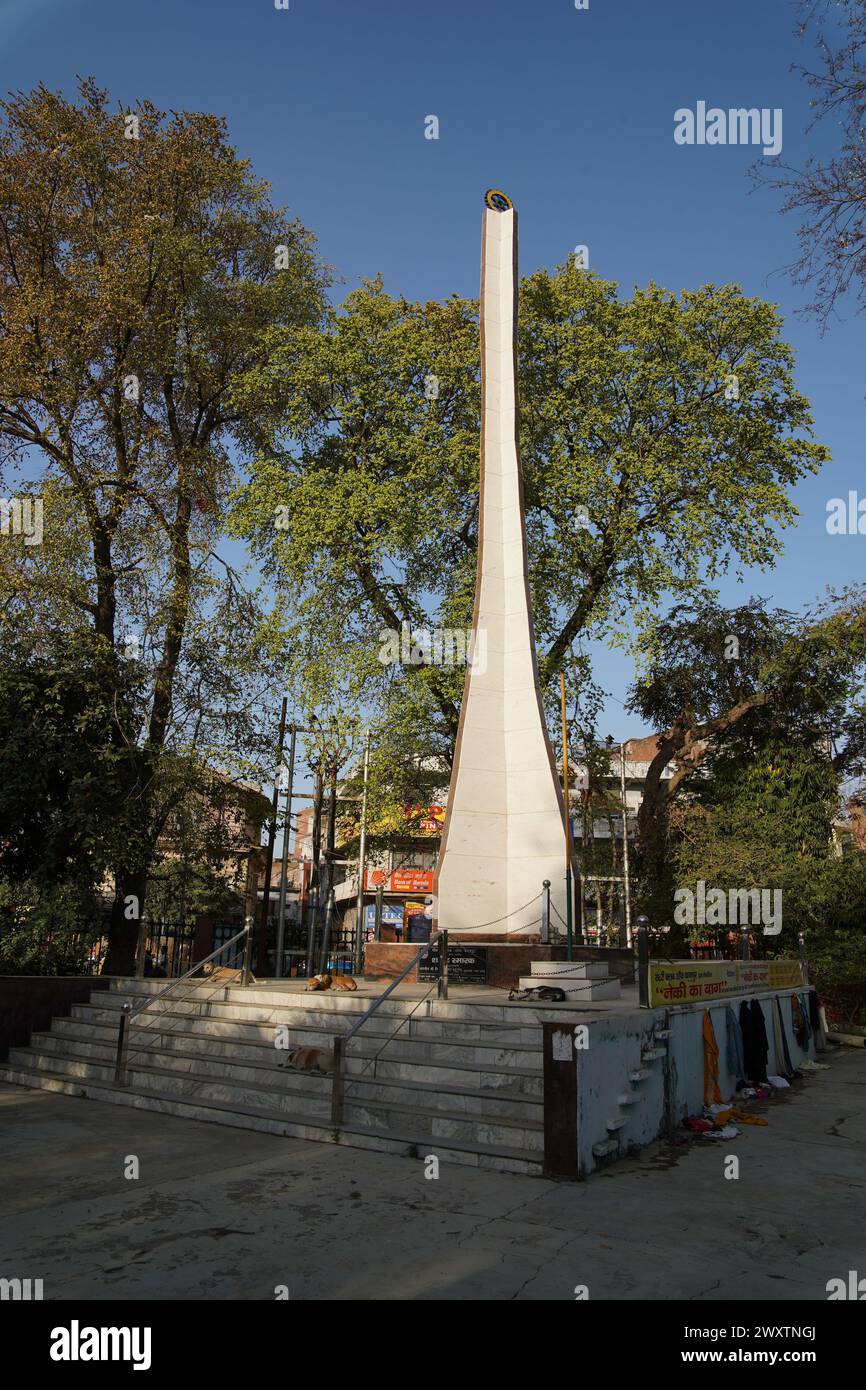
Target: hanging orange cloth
[712,1094]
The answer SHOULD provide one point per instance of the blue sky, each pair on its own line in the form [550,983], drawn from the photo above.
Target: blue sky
[570,111]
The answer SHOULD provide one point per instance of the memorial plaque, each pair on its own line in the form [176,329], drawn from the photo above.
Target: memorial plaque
[467,965]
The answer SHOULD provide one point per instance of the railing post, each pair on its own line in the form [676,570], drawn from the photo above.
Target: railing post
[249,926]
[120,1059]
[326,933]
[337,1084]
[313,910]
[643,961]
[250,913]
[358,962]
[804,964]
[545,912]
[442,985]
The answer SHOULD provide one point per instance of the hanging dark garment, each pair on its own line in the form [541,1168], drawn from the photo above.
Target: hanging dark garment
[762,1044]
[814,1016]
[755,1045]
[799,1022]
[786,1051]
[734,1048]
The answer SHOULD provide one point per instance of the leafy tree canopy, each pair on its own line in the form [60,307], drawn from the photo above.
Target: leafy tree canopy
[660,436]
[142,266]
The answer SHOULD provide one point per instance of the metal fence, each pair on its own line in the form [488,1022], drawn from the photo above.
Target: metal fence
[168,949]
[169,946]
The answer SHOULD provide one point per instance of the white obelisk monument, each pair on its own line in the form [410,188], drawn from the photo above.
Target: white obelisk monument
[504,830]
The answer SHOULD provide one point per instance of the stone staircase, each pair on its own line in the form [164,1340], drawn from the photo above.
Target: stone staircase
[461,1081]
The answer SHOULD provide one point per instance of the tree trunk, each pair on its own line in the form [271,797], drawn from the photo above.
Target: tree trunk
[123,928]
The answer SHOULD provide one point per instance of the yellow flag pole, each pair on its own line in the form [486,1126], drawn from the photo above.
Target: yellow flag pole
[568,914]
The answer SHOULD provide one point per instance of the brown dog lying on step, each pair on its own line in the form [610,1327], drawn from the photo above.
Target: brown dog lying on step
[222,974]
[332,981]
[311,1059]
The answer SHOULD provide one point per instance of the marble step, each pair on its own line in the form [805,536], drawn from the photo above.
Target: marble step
[505,1102]
[528,1082]
[509,1101]
[224,1031]
[574,969]
[241,1087]
[605,1148]
[271,1002]
[514,1016]
[366,1043]
[407,1144]
[479,1129]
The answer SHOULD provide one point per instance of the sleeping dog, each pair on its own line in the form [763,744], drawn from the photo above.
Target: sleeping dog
[311,1059]
[222,973]
[548,993]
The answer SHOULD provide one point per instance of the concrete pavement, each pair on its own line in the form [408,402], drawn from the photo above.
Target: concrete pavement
[223,1213]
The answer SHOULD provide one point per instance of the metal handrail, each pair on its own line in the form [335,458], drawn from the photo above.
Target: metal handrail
[128,1012]
[340,1041]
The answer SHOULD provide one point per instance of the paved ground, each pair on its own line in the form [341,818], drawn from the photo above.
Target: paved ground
[225,1214]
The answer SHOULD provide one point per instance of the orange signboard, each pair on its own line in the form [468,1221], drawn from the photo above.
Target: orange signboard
[399,880]
[429,820]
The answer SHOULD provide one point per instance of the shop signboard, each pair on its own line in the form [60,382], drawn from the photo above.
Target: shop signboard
[392,916]
[399,880]
[707,981]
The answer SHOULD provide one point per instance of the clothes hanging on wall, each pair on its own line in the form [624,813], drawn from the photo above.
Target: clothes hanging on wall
[711,1062]
[734,1047]
[814,1014]
[755,1044]
[799,1021]
[783,1058]
[778,1054]
[790,1069]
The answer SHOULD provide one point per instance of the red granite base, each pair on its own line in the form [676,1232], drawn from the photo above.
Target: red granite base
[506,960]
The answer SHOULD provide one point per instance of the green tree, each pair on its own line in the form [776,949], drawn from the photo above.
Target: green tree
[737,685]
[141,266]
[62,772]
[660,435]
[761,816]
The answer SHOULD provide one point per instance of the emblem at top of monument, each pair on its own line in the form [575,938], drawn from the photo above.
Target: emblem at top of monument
[496,199]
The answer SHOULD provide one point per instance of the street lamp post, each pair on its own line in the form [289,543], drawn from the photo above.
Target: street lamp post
[272,835]
[362,859]
[625,862]
[284,859]
[568,895]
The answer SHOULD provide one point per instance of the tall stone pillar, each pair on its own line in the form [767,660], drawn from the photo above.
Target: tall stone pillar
[504,830]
